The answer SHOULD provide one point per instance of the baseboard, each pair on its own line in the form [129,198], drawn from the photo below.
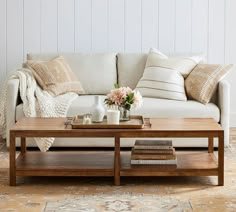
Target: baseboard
[232,119]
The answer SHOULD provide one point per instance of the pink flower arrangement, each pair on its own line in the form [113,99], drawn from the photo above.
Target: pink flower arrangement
[124,97]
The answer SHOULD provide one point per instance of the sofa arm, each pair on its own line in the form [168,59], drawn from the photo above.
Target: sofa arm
[13,99]
[224,105]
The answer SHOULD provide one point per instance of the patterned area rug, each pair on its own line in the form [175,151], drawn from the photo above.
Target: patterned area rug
[119,202]
[135,194]
[1,146]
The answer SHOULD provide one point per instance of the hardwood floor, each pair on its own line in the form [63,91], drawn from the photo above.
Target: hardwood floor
[2,144]
[233,135]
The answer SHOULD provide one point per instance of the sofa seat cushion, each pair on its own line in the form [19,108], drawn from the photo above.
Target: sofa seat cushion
[151,108]
[79,106]
[164,108]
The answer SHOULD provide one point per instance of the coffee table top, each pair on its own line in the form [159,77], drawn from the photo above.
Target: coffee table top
[157,124]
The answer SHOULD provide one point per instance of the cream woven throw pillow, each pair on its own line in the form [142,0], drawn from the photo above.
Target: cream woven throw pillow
[55,76]
[163,76]
[202,81]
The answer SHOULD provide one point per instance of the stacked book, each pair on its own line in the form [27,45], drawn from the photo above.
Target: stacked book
[154,152]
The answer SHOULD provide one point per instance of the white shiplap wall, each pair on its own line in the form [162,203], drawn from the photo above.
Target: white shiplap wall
[182,26]
[230,52]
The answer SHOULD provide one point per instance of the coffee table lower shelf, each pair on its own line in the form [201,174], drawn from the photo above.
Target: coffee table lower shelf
[101,163]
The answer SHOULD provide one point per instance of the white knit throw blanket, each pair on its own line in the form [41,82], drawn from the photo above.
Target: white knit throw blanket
[36,103]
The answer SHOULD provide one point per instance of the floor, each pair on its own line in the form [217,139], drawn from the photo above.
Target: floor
[135,194]
[233,135]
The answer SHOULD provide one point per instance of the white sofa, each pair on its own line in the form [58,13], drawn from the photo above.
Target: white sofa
[98,73]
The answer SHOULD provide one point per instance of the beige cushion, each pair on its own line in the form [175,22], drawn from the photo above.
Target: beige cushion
[96,72]
[166,108]
[130,68]
[202,81]
[152,108]
[162,83]
[55,76]
[162,79]
[184,65]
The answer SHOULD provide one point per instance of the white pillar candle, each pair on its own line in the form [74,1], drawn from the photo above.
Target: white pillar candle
[113,116]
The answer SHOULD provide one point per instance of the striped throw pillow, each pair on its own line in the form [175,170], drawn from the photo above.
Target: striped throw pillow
[55,76]
[183,65]
[202,81]
[164,77]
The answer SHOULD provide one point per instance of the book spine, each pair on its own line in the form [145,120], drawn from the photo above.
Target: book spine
[154,142]
[152,157]
[158,162]
[151,151]
[153,147]
[158,166]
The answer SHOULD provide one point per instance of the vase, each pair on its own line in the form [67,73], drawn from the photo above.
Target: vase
[124,114]
[98,110]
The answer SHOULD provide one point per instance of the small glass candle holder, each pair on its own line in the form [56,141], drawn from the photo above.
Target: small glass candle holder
[87,118]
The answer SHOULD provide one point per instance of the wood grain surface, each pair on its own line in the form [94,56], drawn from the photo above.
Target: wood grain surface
[114,163]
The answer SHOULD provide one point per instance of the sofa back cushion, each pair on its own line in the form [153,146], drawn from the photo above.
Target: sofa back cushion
[55,76]
[96,72]
[130,68]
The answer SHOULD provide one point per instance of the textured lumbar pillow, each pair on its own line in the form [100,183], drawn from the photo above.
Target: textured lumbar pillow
[202,81]
[55,76]
[163,77]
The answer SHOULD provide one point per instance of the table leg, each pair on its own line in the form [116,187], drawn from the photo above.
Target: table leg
[210,145]
[12,159]
[221,160]
[23,145]
[117,162]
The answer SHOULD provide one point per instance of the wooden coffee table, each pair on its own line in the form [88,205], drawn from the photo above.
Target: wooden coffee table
[114,163]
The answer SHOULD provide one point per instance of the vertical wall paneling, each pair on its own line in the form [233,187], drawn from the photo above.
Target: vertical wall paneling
[230,32]
[216,31]
[32,23]
[49,26]
[199,26]
[83,25]
[183,26]
[133,26]
[149,24]
[167,25]
[230,54]
[14,34]
[3,5]
[99,25]
[66,26]
[206,26]
[116,25]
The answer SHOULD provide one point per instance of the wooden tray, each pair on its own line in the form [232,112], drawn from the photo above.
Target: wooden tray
[135,122]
